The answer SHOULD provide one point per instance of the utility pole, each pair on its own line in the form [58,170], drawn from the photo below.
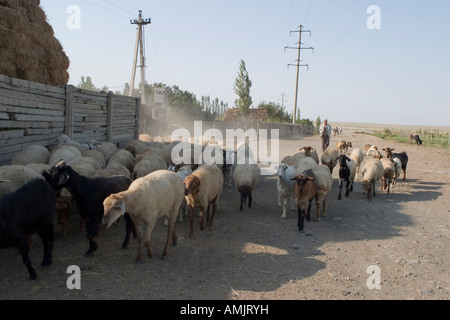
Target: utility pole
[298,64]
[139,47]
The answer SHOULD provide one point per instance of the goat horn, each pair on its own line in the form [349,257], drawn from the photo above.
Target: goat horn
[5,181]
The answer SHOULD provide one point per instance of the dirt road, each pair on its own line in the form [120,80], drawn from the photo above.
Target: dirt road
[255,254]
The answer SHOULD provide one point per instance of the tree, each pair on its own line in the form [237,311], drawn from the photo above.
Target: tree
[87,84]
[242,87]
[276,112]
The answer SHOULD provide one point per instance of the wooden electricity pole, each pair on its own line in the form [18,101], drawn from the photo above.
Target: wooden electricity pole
[298,64]
[139,47]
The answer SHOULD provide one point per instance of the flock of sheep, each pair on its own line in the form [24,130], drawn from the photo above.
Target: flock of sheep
[303,177]
[141,183]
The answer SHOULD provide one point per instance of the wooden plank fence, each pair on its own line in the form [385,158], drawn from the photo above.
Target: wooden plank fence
[34,113]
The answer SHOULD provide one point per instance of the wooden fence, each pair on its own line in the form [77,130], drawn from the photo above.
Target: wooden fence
[34,113]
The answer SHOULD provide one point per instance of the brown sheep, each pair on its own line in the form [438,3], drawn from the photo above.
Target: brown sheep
[202,190]
[305,189]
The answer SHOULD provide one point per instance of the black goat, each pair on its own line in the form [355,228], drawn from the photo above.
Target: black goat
[24,212]
[344,176]
[402,156]
[89,194]
[416,138]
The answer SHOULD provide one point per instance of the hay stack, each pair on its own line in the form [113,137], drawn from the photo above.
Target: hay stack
[28,47]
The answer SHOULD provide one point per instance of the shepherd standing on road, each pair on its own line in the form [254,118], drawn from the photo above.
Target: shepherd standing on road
[325,133]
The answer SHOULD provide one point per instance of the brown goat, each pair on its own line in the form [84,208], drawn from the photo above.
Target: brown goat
[305,190]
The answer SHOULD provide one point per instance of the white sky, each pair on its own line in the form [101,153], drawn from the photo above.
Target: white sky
[399,74]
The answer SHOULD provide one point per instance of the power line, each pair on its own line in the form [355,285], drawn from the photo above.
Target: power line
[140,22]
[307,12]
[97,5]
[298,65]
[112,4]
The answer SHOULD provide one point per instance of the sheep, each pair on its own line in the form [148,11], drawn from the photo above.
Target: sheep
[97,155]
[305,190]
[89,194]
[16,175]
[388,174]
[371,171]
[310,152]
[245,179]
[149,151]
[115,169]
[64,152]
[147,165]
[398,168]
[324,182]
[202,190]
[182,171]
[285,186]
[329,158]
[347,170]
[158,194]
[358,157]
[368,148]
[227,169]
[136,146]
[403,157]
[62,206]
[24,212]
[86,166]
[342,146]
[31,154]
[106,148]
[123,157]
[416,138]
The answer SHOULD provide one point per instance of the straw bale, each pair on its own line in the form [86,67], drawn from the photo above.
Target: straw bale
[28,47]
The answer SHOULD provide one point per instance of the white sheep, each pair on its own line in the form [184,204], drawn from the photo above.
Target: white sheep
[158,194]
[15,176]
[182,171]
[371,171]
[148,165]
[329,158]
[398,169]
[389,174]
[202,190]
[309,152]
[63,152]
[86,166]
[324,182]
[97,155]
[285,186]
[123,157]
[245,179]
[115,169]
[31,154]
[358,157]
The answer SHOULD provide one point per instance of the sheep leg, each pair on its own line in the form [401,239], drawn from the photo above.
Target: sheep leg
[139,240]
[46,236]
[24,249]
[241,206]
[347,188]
[284,204]
[340,189]
[202,213]
[301,218]
[214,208]
[250,199]
[170,234]
[147,239]
[191,217]
[308,215]
[129,227]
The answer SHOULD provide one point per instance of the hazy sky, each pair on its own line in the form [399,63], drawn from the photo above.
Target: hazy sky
[397,74]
